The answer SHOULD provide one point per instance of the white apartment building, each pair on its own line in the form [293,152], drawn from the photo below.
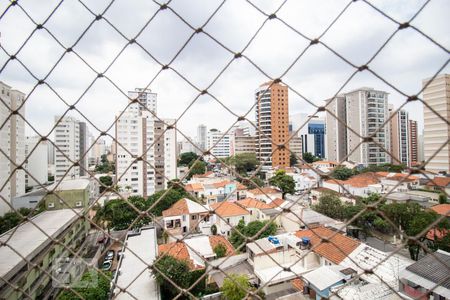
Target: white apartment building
[400,137]
[220,144]
[37,162]
[71,147]
[145,149]
[336,131]
[202,137]
[366,111]
[12,144]
[146,98]
[437,129]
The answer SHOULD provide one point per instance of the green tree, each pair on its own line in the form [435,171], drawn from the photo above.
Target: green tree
[214,229]
[443,198]
[235,287]
[166,201]
[310,158]
[342,173]
[105,166]
[106,180]
[87,290]
[284,182]
[244,162]
[12,219]
[293,160]
[186,158]
[220,250]
[250,230]
[419,222]
[119,215]
[199,167]
[251,182]
[330,205]
[179,272]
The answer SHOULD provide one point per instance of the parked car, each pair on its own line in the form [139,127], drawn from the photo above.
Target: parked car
[109,255]
[106,265]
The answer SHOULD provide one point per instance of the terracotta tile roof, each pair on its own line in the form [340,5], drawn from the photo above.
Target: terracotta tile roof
[215,240]
[177,250]
[183,207]
[442,209]
[278,202]
[358,181]
[435,232]
[228,209]
[253,203]
[180,251]
[339,247]
[193,187]
[298,284]
[382,174]
[264,190]
[439,181]
[321,162]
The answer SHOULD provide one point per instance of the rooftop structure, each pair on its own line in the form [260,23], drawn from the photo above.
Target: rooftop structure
[184,207]
[133,271]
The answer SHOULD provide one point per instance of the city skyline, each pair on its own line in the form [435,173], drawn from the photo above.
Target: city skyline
[317,75]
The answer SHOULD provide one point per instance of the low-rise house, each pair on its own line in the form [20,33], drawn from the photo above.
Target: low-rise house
[28,253]
[197,249]
[266,194]
[439,184]
[302,218]
[228,215]
[325,164]
[236,264]
[397,182]
[255,207]
[304,181]
[185,216]
[397,197]
[134,278]
[358,185]
[428,278]
[217,191]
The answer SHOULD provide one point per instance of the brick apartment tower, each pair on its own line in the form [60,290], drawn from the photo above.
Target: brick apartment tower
[272,119]
[413,150]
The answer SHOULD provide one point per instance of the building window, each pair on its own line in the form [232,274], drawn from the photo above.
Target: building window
[78,204]
[194,217]
[51,205]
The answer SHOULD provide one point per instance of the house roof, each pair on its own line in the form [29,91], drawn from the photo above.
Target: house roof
[433,267]
[253,203]
[264,190]
[228,209]
[184,207]
[439,181]
[358,181]
[193,187]
[224,183]
[437,233]
[442,209]
[203,245]
[338,247]
[278,202]
[317,278]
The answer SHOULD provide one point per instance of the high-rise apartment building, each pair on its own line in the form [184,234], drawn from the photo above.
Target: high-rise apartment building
[146,98]
[12,144]
[413,146]
[145,149]
[220,144]
[437,128]
[399,131]
[71,147]
[311,133]
[272,120]
[202,137]
[361,113]
[336,129]
[37,162]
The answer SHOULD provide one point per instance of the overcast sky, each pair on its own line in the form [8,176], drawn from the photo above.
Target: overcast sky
[317,75]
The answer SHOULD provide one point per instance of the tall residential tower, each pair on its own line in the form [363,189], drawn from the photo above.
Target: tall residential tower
[272,120]
[436,132]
